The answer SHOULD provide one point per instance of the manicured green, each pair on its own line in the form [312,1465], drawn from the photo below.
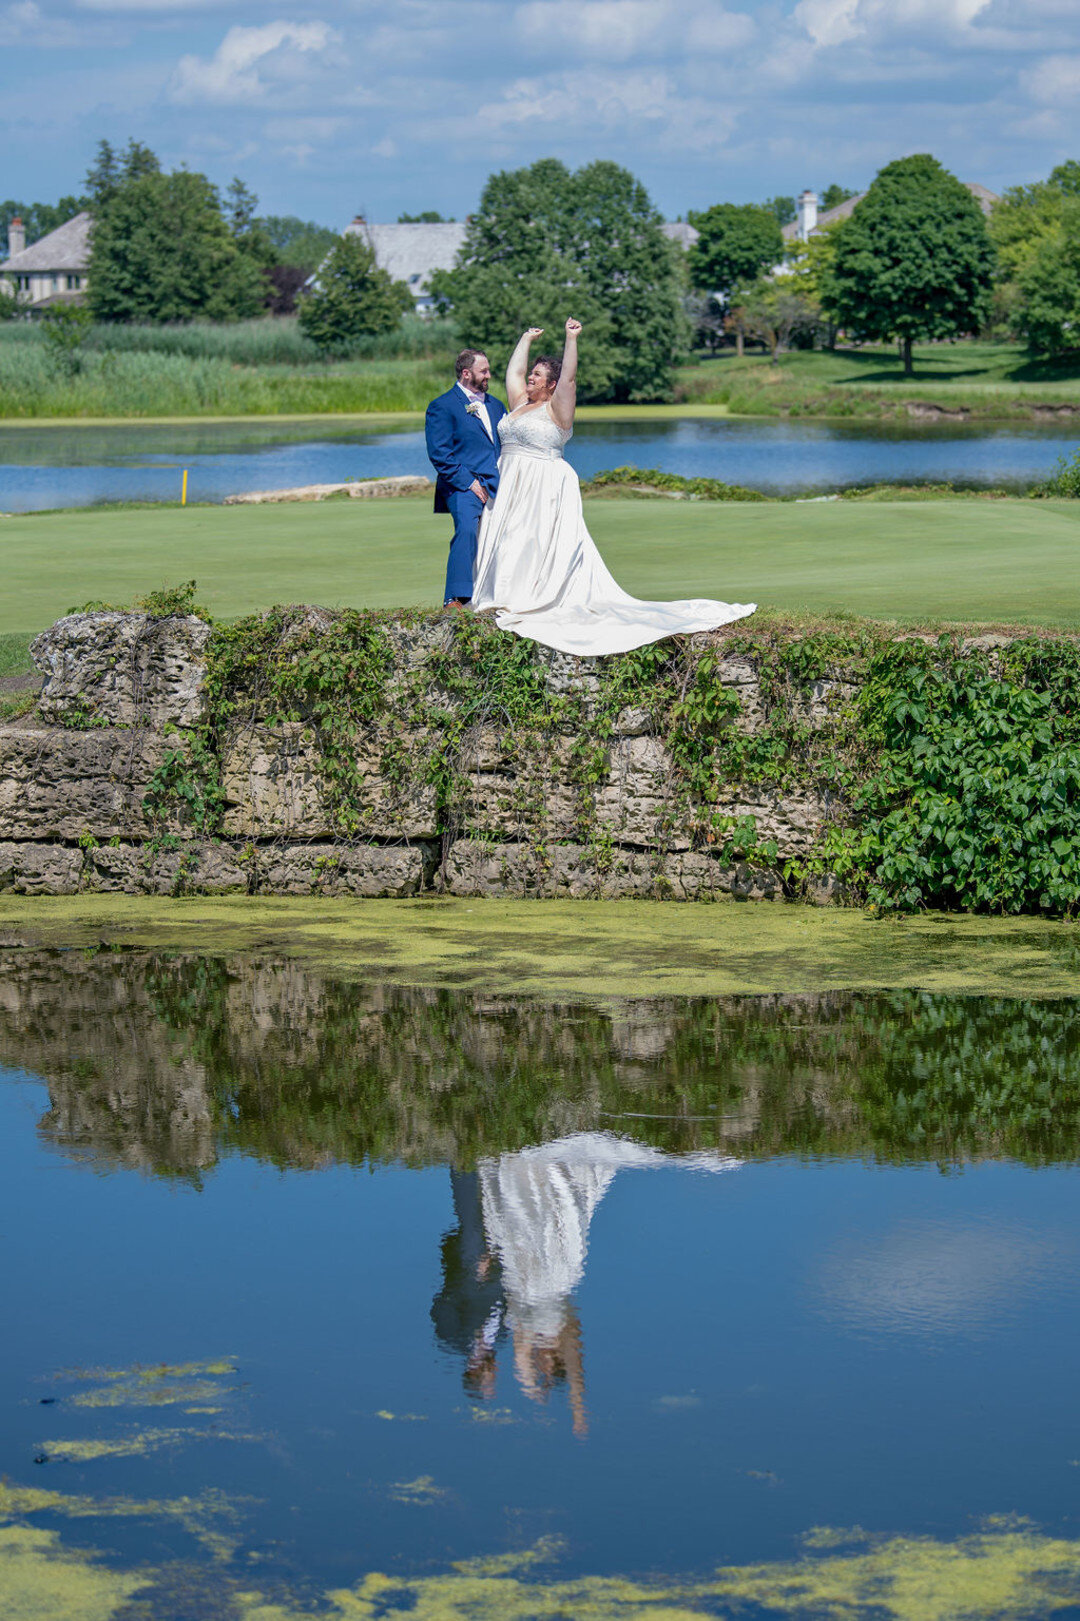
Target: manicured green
[999,561]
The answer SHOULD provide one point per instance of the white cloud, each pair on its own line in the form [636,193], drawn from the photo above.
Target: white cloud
[622,30]
[149,6]
[233,74]
[1056,78]
[25,23]
[835,22]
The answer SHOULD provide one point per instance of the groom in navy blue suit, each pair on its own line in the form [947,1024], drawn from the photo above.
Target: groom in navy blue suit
[463,442]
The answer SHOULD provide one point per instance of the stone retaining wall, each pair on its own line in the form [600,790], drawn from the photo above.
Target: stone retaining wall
[79,810]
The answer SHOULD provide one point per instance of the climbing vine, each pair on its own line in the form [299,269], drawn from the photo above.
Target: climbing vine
[950,770]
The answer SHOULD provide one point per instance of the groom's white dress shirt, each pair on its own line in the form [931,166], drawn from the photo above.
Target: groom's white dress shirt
[474,397]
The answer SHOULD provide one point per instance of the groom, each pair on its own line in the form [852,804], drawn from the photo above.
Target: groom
[463,443]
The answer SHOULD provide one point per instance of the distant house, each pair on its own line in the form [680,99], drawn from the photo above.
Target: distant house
[808,222]
[412,253]
[52,270]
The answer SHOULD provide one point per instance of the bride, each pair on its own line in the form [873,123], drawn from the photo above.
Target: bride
[536,563]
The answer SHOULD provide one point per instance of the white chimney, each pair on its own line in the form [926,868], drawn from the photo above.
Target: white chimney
[16,237]
[807,206]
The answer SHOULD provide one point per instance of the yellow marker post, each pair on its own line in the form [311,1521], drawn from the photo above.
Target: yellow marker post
[183,489]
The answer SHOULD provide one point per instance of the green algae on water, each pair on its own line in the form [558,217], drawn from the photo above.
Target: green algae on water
[1005,1571]
[42,1581]
[592,950]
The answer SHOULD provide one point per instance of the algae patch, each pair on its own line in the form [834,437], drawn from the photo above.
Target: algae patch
[138,1444]
[42,1581]
[1003,1572]
[601,950]
[196,1386]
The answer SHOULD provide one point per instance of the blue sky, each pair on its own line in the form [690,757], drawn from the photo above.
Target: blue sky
[328,108]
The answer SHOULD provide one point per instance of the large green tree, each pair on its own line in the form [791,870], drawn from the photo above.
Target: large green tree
[1047,307]
[162,250]
[736,244]
[1033,237]
[914,260]
[546,243]
[352,298]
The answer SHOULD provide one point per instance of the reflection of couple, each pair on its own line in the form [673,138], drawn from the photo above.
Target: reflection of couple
[518,1253]
[520,545]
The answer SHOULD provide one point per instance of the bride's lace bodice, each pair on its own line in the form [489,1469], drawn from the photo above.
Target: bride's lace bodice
[535,432]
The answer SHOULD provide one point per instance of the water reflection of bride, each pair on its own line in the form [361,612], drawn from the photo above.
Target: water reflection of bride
[518,1253]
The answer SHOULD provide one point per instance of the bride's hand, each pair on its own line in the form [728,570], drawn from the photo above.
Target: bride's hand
[573,328]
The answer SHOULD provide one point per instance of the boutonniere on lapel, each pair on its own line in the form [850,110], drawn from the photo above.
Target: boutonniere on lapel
[473,408]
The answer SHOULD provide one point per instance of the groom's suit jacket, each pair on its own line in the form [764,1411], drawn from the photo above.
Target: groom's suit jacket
[459,447]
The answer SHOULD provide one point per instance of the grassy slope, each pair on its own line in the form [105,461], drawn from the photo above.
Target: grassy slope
[986,379]
[1000,561]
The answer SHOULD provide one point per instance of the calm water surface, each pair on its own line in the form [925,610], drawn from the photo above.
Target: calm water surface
[380,1279]
[71,467]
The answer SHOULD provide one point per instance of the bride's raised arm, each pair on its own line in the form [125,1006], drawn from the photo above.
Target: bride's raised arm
[564,399]
[517,369]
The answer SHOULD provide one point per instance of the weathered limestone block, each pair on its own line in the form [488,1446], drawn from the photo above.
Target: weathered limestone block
[372,870]
[636,805]
[793,819]
[58,783]
[633,722]
[740,674]
[198,867]
[695,876]
[520,793]
[40,869]
[273,785]
[569,871]
[120,668]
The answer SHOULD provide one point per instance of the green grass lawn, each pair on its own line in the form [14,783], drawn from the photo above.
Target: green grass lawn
[984,379]
[1005,561]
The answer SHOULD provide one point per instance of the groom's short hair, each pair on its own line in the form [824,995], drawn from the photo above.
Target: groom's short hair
[466,360]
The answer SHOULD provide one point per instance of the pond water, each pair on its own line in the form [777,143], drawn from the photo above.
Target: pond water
[71,467]
[310,1278]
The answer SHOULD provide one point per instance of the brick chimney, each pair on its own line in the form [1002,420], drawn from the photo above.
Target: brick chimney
[16,237]
[807,206]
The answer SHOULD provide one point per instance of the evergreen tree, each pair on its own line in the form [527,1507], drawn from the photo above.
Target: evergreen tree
[299,242]
[783,208]
[161,250]
[833,196]
[736,243]
[546,243]
[352,298]
[914,260]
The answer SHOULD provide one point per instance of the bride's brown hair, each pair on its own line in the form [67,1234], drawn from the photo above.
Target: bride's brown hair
[552,366]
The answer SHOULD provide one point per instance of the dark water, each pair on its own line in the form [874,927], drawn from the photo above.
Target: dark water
[72,467]
[670,1282]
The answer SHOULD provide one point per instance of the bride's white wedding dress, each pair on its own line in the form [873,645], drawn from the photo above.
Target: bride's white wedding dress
[538,566]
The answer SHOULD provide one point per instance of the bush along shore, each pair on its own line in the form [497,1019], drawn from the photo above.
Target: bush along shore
[308,751]
[267,367]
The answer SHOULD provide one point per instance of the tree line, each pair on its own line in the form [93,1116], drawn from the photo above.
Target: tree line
[915,259]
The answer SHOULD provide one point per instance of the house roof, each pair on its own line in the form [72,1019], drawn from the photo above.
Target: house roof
[412,253]
[985,199]
[66,248]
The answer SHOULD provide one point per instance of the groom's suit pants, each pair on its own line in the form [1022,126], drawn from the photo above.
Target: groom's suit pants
[465,509]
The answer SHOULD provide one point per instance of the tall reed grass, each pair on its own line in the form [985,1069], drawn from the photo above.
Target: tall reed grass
[153,384]
[270,341]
